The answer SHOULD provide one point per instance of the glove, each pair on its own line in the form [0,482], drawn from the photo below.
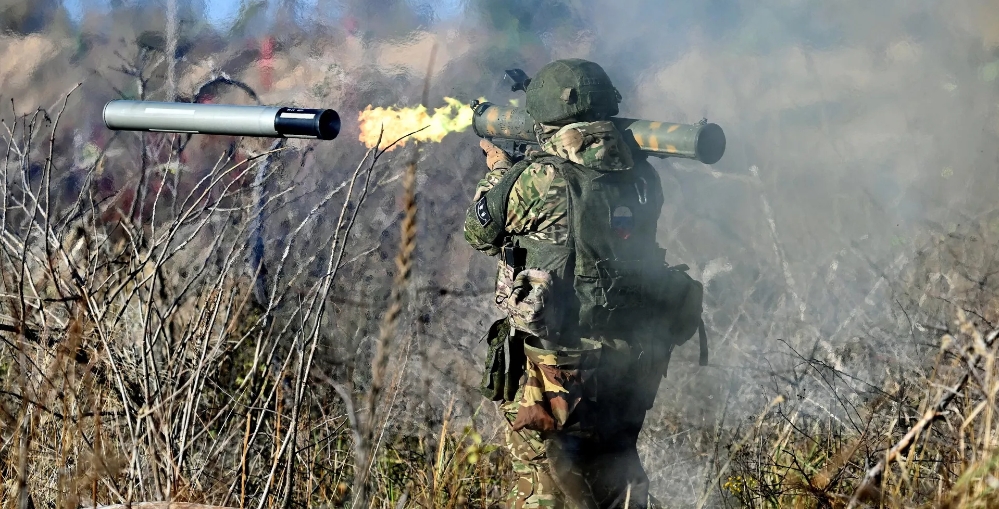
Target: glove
[496,158]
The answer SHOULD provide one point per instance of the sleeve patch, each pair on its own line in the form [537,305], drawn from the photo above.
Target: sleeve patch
[482,212]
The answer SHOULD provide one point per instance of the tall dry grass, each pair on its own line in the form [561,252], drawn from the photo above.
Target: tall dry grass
[923,443]
[150,352]
[207,321]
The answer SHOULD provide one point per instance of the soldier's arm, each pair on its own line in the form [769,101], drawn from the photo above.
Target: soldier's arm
[535,205]
[498,163]
[482,232]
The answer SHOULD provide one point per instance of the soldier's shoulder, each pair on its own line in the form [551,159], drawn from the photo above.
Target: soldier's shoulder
[540,167]
[538,186]
[538,174]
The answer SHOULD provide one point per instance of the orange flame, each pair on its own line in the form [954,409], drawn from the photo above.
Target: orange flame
[398,122]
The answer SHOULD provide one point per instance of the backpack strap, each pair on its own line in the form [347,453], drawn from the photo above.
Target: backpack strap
[564,169]
[702,337]
[539,248]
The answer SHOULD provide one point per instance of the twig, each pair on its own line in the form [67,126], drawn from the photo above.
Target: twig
[403,262]
[778,246]
[936,411]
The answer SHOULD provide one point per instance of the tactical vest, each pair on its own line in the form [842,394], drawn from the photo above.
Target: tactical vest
[603,270]
[608,281]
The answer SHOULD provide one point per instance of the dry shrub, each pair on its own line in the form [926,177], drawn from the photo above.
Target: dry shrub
[151,352]
[143,356]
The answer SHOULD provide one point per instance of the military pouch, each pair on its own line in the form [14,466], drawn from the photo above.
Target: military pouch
[681,301]
[528,299]
[561,387]
[621,284]
[505,363]
[682,296]
[615,291]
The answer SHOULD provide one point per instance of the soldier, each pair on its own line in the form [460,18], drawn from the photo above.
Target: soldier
[577,360]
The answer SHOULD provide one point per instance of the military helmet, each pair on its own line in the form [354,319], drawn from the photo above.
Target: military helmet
[571,89]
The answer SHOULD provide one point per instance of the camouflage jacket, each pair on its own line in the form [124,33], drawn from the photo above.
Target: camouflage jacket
[537,205]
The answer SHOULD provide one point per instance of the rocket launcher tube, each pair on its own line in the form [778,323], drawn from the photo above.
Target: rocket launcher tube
[703,142]
[225,119]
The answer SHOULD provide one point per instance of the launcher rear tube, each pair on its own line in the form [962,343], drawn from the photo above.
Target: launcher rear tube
[703,142]
[223,119]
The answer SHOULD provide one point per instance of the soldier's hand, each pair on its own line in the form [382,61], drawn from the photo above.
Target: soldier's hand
[496,158]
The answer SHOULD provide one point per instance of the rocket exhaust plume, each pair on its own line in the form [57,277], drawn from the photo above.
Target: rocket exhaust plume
[455,117]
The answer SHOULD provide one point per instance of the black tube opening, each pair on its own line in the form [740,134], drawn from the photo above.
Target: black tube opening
[328,124]
[300,122]
[710,144]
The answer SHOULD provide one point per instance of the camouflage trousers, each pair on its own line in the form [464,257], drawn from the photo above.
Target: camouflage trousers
[572,471]
[534,487]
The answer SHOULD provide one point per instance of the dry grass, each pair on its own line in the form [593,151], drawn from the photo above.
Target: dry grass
[256,326]
[928,444]
[150,352]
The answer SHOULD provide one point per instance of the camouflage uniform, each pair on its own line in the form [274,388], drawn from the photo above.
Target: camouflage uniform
[559,462]
[535,486]
[537,207]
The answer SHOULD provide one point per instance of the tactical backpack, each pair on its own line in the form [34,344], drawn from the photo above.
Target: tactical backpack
[611,282]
